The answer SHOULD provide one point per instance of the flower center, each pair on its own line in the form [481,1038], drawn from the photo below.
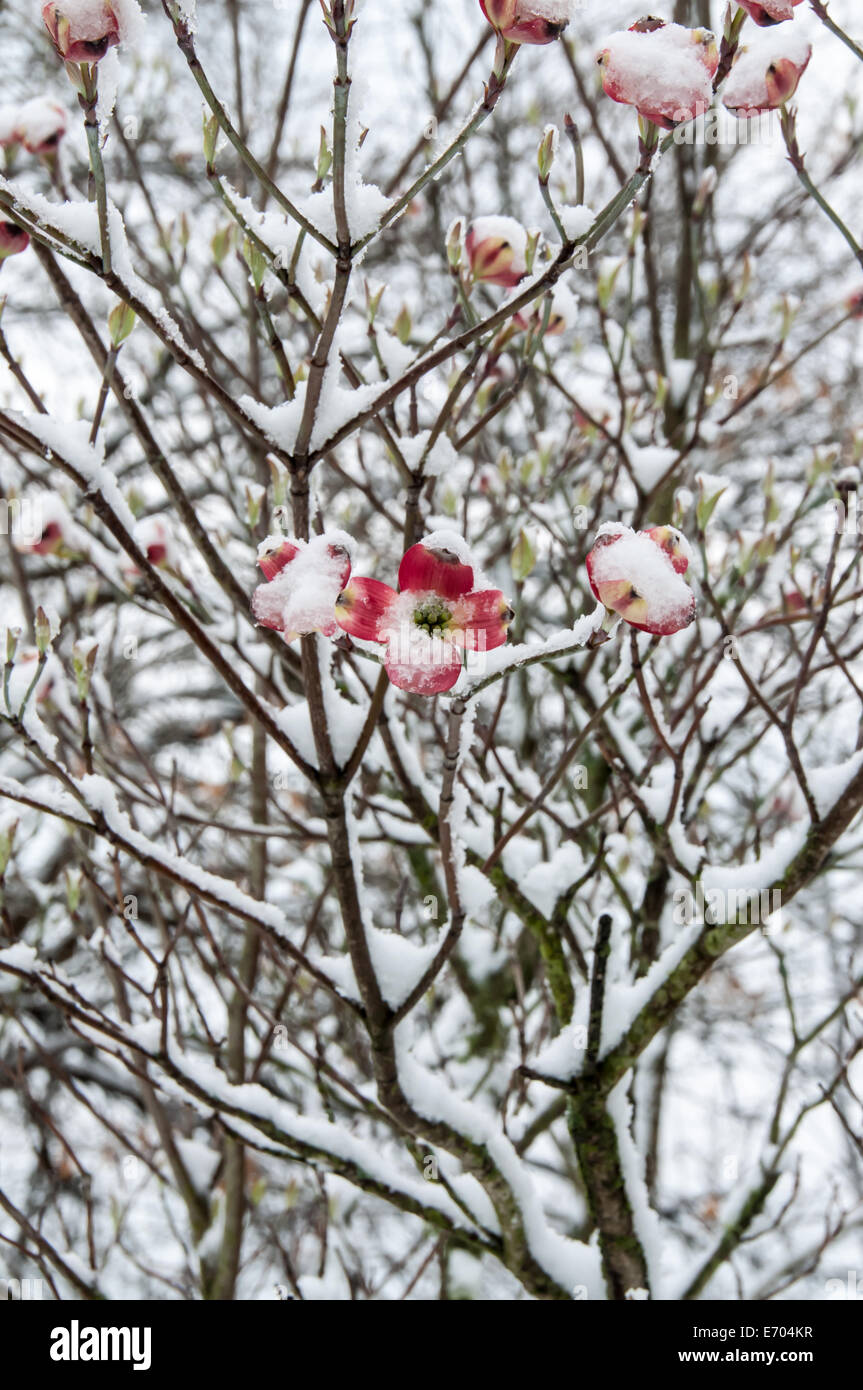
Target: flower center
[432,615]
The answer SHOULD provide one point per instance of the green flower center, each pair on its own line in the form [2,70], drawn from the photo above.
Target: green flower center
[432,615]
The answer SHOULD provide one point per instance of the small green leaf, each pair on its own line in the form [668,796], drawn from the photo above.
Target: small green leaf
[523,558]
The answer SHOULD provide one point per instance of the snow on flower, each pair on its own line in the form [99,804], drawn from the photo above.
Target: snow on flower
[664,70]
[528,21]
[304,580]
[766,12]
[82,31]
[497,251]
[639,575]
[40,125]
[8,125]
[154,539]
[766,73]
[435,614]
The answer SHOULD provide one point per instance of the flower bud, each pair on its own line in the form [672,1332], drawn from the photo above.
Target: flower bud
[44,634]
[7,843]
[454,248]
[528,21]
[497,251]
[639,577]
[211,135]
[83,664]
[121,321]
[765,75]
[13,239]
[766,12]
[664,70]
[81,33]
[40,126]
[547,152]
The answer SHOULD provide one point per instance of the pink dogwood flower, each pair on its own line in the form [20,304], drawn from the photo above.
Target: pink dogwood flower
[639,575]
[766,12]
[664,70]
[497,251]
[304,580]
[436,613]
[765,76]
[528,21]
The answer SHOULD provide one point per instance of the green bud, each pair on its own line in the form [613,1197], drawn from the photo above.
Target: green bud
[211,132]
[279,476]
[373,301]
[73,890]
[254,502]
[256,263]
[523,558]
[546,153]
[530,250]
[403,324]
[121,321]
[83,664]
[222,243]
[7,844]
[325,157]
[706,507]
[454,246]
[44,635]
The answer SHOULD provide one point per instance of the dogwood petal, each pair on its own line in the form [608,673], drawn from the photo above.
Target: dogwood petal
[363,607]
[425,570]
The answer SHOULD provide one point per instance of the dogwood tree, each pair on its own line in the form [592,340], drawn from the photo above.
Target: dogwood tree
[431,746]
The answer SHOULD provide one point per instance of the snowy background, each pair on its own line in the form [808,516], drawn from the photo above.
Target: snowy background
[194,1099]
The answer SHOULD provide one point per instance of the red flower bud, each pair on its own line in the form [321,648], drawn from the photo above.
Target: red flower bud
[528,21]
[639,577]
[50,540]
[82,31]
[664,70]
[496,249]
[765,75]
[12,239]
[305,579]
[766,12]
